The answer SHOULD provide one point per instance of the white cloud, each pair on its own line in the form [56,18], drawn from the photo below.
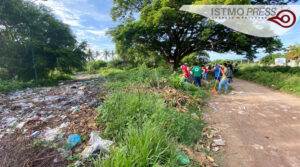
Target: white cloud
[82,16]
[68,15]
[74,23]
[98,32]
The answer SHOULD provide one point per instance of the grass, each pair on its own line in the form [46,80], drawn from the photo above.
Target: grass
[286,79]
[14,84]
[144,128]
[145,146]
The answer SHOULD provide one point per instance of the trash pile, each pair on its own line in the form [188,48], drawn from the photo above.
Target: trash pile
[50,115]
[211,142]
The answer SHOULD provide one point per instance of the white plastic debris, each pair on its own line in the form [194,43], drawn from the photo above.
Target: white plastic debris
[80,93]
[11,121]
[216,149]
[21,124]
[96,143]
[258,147]
[219,142]
[51,134]
[63,117]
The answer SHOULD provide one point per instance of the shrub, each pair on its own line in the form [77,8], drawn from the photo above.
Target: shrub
[95,65]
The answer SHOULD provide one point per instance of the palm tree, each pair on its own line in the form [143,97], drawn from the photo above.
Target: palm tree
[89,55]
[112,54]
[293,52]
[106,54]
[97,54]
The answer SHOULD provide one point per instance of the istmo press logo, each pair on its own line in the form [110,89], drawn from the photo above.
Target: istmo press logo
[256,20]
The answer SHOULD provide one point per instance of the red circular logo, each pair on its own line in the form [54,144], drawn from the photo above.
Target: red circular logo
[284,18]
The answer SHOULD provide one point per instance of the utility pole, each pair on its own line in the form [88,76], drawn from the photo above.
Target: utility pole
[33,58]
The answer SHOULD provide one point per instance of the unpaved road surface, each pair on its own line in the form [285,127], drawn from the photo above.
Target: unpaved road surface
[261,126]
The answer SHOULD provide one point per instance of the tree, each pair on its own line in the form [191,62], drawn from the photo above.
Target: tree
[112,54]
[89,55]
[270,59]
[27,28]
[106,54]
[174,34]
[201,57]
[293,52]
[97,54]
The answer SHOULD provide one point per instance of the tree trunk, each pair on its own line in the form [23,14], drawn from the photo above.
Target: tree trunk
[173,64]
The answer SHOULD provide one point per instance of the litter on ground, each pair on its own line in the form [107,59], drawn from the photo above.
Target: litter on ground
[47,115]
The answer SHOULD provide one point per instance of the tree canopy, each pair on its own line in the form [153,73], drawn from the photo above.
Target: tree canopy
[293,52]
[26,27]
[174,34]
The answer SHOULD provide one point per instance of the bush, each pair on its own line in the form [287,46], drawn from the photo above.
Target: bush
[95,65]
[117,63]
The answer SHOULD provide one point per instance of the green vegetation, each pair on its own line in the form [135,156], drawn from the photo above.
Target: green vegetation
[200,58]
[282,78]
[165,31]
[93,66]
[32,38]
[270,59]
[145,146]
[17,84]
[293,52]
[145,124]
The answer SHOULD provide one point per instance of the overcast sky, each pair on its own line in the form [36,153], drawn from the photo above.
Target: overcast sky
[90,19]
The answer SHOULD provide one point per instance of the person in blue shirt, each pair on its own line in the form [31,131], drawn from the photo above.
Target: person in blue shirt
[218,74]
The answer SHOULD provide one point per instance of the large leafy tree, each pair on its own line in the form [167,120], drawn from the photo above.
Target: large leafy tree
[24,26]
[174,34]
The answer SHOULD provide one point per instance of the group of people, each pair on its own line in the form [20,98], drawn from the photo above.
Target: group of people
[223,73]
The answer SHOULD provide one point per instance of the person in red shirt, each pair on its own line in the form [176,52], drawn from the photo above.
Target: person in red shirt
[185,72]
[205,71]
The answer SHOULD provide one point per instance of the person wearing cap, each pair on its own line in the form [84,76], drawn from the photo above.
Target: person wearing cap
[185,72]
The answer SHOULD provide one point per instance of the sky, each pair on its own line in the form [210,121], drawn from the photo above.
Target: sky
[90,19]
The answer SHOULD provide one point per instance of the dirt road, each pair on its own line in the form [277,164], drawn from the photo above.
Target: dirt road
[261,126]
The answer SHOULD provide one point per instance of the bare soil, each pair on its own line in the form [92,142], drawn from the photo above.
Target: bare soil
[261,126]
